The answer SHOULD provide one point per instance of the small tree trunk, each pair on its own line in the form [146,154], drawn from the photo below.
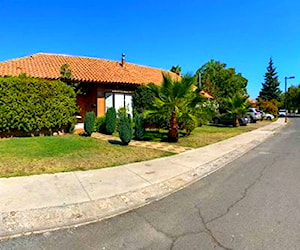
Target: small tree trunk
[236,121]
[173,130]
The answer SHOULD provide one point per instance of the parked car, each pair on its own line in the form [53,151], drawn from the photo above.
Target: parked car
[269,117]
[262,114]
[228,119]
[282,113]
[254,114]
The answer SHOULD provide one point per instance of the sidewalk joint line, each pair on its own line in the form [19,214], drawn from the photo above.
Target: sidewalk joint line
[139,176]
[82,186]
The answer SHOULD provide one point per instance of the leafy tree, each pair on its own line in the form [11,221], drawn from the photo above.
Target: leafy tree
[210,76]
[176,69]
[237,105]
[221,82]
[142,99]
[268,106]
[174,98]
[293,98]
[270,87]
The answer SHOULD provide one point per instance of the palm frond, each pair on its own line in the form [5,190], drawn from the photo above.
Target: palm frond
[237,104]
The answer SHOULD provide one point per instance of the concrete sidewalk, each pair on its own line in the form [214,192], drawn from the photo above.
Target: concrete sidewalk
[46,202]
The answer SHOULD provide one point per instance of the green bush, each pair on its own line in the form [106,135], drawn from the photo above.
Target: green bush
[159,121]
[110,120]
[268,106]
[142,99]
[125,129]
[30,106]
[122,111]
[99,125]
[139,132]
[89,121]
[206,111]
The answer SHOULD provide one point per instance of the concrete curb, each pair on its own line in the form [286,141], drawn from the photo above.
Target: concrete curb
[33,221]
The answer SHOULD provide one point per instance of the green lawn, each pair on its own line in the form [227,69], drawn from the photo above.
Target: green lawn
[36,155]
[205,135]
[209,134]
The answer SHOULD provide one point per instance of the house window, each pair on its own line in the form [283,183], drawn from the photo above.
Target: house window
[119,100]
[109,100]
[128,103]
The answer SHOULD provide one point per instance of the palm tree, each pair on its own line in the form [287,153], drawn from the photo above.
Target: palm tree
[176,69]
[236,105]
[174,98]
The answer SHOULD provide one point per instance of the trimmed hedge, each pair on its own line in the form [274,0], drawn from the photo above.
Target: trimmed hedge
[125,129]
[30,106]
[110,120]
[89,121]
[139,132]
[99,125]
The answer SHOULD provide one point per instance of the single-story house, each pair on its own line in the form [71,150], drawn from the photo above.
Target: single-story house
[105,83]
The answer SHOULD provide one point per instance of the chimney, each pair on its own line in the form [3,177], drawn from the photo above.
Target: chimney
[123,59]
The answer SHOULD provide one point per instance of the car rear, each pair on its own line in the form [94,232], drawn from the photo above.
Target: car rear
[254,114]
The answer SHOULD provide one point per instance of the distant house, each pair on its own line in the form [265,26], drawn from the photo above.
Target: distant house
[105,83]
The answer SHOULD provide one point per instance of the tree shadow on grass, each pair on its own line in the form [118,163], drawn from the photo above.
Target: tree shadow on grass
[159,136]
[155,135]
[220,125]
[115,142]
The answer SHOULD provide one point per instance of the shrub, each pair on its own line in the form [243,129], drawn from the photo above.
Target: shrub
[268,106]
[99,125]
[139,132]
[125,130]
[158,121]
[30,106]
[121,112]
[188,123]
[89,120]
[206,111]
[142,99]
[110,120]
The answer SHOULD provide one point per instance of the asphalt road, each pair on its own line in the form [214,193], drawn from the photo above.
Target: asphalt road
[252,203]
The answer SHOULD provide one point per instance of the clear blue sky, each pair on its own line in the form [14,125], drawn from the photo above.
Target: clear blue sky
[242,34]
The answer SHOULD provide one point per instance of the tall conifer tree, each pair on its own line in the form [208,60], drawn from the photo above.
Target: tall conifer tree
[270,87]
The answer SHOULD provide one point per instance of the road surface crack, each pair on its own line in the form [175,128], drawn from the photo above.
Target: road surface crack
[155,228]
[244,193]
[174,238]
[209,231]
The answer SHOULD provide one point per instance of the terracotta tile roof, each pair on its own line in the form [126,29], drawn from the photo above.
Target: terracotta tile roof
[84,69]
[251,101]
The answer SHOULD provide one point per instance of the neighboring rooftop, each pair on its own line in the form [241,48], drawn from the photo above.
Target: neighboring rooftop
[84,69]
